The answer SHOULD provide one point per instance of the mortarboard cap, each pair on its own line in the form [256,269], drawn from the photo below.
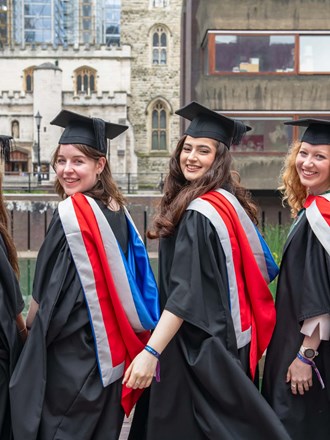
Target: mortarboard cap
[5,144]
[317,131]
[81,129]
[239,132]
[207,123]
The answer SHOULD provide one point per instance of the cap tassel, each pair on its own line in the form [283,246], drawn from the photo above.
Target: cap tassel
[99,129]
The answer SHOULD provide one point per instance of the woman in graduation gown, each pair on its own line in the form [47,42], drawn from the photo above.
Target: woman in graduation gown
[12,325]
[218,314]
[297,369]
[94,299]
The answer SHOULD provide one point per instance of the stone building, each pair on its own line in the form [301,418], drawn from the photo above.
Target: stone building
[45,79]
[263,61]
[152,28]
[125,70]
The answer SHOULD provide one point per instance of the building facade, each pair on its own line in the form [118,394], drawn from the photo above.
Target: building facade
[265,62]
[152,28]
[118,60]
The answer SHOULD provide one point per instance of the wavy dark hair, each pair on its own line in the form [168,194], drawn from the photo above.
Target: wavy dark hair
[178,192]
[9,243]
[105,188]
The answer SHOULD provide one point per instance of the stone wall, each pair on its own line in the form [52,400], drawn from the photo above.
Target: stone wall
[150,82]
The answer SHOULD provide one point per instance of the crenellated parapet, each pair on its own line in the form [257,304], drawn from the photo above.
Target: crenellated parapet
[15,97]
[69,51]
[107,98]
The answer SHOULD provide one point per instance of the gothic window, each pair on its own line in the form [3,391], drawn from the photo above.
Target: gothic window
[160,3]
[28,79]
[159,118]
[159,46]
[85,80]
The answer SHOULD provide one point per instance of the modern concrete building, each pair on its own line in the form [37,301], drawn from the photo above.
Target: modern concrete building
[264,61]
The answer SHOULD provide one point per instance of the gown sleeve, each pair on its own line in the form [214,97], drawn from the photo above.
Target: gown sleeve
[197,286]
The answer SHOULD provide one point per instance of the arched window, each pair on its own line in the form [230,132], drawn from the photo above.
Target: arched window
[85,80]
[159,120]
[15,129]
[28,79]
[159,46]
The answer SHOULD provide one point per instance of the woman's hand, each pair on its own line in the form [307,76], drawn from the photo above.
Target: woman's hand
[300,376]
[141,371]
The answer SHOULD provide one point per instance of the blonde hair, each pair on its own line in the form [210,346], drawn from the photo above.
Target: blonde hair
[294,192]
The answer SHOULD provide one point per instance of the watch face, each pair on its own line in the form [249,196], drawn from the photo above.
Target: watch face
[309,353]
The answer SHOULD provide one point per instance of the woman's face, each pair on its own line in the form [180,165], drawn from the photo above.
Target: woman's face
[197,156]
[75,171]
[313,167]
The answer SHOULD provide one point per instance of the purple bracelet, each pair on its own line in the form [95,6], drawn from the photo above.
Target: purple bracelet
[312,364]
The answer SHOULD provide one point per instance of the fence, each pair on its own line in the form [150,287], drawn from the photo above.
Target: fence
[129,183]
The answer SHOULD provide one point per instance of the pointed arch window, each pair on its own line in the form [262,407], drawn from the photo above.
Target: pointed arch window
[159,127]
[85,80]
[15,129]
[159,46]
[28,79]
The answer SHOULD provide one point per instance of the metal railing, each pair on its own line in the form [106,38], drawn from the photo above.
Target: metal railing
[130,183]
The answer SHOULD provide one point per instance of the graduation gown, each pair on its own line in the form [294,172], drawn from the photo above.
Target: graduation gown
[302,292]
[11,304]
[204,391]
[56,388]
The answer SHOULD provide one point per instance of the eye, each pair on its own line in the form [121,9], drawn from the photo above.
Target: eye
[320,157]
[186,148]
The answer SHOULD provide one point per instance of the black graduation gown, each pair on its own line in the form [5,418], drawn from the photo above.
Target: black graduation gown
[204,391]
[56,387]
[303,292]
[11,304]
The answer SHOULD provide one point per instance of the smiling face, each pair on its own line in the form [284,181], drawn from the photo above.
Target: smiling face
[75,171]
[313,167]
[197,156]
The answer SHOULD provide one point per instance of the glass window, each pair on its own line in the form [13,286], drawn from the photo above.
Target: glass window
[268,134]
[85,80]
[254,53]
[314,53]
[159,127]
[159,43]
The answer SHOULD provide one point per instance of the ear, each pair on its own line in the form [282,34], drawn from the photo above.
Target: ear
[101,164]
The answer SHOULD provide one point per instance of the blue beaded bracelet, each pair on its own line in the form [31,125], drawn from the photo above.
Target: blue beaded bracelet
[152,351]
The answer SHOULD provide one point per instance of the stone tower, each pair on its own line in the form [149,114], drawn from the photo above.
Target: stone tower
[153,30]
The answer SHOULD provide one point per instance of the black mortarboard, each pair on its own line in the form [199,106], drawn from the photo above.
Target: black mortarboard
[207,123]
[317,131]
[5,144]
[81,129]
[239,132]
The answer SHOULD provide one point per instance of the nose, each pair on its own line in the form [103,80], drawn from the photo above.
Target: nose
[192,155]
[68,166]
[308,162]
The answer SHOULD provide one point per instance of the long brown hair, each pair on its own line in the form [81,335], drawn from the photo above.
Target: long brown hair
[294,192]
[178,192]
[9,243]
[105,188]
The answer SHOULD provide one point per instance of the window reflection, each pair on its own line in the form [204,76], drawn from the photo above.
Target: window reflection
[267,135]
[254,53]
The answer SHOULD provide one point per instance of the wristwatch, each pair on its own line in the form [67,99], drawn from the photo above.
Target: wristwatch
[308,353]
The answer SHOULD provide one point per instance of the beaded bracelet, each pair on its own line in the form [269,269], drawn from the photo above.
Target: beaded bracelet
[156,354]
[312,364]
